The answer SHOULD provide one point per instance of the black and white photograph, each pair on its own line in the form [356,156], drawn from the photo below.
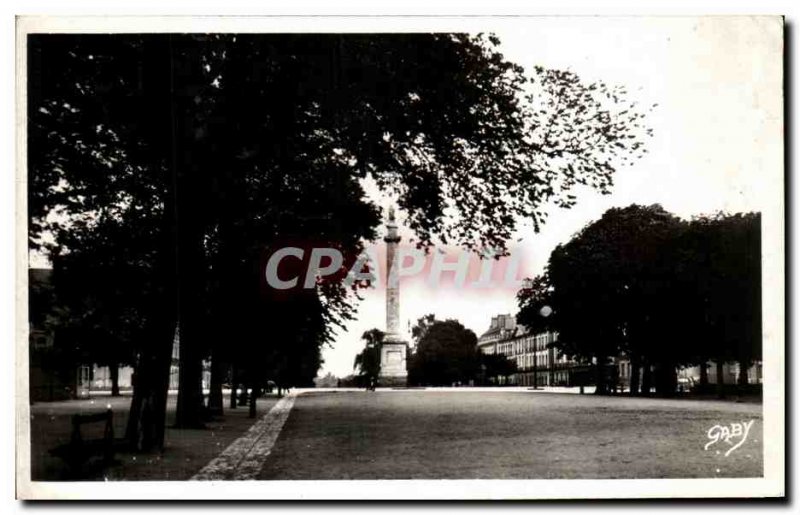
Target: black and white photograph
[352,258]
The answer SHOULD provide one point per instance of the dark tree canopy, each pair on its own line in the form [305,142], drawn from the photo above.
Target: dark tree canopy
[494,366]
[445,354]
[721,263]
[493,145]
[421,327]
[664,292]
[368,361]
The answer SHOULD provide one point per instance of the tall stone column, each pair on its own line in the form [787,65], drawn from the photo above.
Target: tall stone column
[393,350]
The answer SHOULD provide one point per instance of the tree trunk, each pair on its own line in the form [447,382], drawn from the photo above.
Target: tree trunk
[720,379]
[253,396]
[189,410]
[743,379]
[113,371]
[233,388]
[601,385]
[243,398]
[666,379]
[647,379]
[704,375]
[147,418]
[215,400]
[232,404]
[634,379]
[190,183]
[148,412]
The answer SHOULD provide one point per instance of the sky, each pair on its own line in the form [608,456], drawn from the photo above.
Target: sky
[717,143]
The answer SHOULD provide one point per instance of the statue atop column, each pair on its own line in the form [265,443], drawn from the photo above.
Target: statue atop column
[394,347]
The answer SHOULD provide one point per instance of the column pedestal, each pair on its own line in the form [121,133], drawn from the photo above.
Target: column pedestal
[393,364]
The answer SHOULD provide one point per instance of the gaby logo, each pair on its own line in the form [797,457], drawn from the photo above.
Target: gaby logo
[735,435]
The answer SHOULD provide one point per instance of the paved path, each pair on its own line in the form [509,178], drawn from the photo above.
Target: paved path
[244,458]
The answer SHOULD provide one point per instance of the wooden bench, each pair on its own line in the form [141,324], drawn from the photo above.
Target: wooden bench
[79,450]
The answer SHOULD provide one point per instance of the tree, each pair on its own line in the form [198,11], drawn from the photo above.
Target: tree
[664,292]
[208,134]
[496,366]
[98,141]
[102,281]
[368,361]
[535,305]
[609,290]
[721,257]
[421,327]
[447,353]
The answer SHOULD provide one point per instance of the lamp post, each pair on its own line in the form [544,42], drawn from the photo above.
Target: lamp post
[544,312]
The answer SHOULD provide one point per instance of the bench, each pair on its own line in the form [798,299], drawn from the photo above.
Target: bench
[79,450]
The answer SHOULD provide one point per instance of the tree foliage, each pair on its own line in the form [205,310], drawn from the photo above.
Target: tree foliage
[664,292]
[421,327]
[445,354]
[496,366]
[368,361]
[721,271]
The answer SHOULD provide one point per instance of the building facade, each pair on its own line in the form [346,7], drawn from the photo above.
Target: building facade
[538,363]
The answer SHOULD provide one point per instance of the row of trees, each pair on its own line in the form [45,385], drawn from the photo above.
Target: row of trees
[163,169]
[662,291]
[444,353]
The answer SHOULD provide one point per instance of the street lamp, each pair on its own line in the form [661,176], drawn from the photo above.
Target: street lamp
[544,312]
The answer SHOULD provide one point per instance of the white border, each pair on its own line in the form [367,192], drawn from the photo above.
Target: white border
[773,288]
[450,489]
